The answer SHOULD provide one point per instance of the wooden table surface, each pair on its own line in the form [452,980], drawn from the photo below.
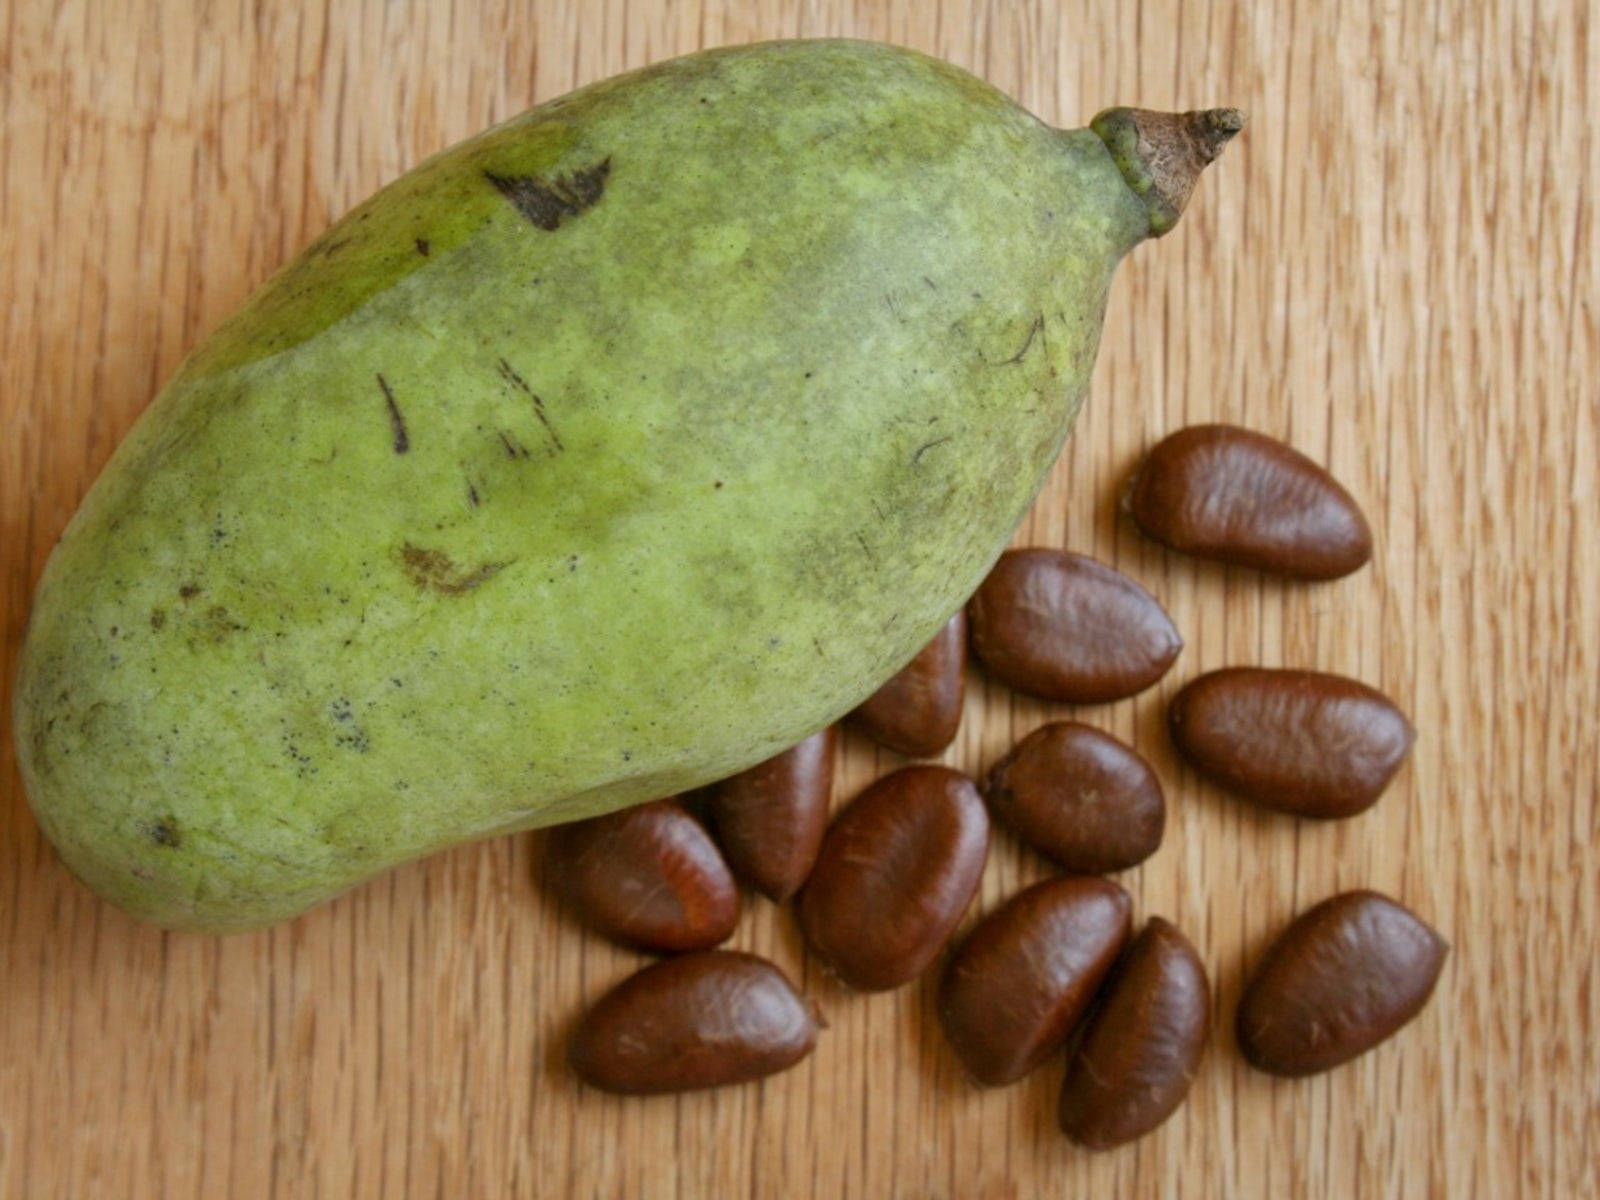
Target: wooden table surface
[1394,268]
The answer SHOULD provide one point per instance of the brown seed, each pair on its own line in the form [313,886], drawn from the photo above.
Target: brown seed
[1340,979]
[918,711]
[1221,492]
[696,1021]
[1142,1044]
[770,818]
[897,869]
[649,877]
[1300,742]
[1014,989]
[1079,797]
[1065,627]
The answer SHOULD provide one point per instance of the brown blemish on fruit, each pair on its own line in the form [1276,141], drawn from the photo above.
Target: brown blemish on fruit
[158,618]
[220,624]
[165,833]
[189,591]
[547,202]
[397,423]
[436,571]
[509,374]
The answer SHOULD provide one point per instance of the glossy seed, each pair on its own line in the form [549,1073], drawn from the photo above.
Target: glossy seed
[1065,627]
[1014,989]
[1230,494]
[897,869]
[1142,1045]
[918,711]
[770,819]
[1079,797]
[1300,742]
[649,877]
[1341,978]
[697,1021]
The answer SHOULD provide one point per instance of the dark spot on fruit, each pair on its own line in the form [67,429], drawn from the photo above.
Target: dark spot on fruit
[165,833]
[423,248]
[397,423]
[189,591]
[472,495]
[333,248]
[436,571]
[351,736]
[717,484]
[221,624]
[547,202]
[1033,331]
[509,374]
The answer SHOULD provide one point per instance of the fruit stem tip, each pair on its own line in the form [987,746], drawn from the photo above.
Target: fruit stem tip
[1161,154]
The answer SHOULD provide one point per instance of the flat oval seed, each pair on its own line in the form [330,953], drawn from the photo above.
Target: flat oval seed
[1142,1045]
[1014,989]
[697,1021]
[1079,797]
[919,710]
[1341,978]
[1065,627]
[648,877]
[1300,742]
[1230,494]
[770,819]
[897,869]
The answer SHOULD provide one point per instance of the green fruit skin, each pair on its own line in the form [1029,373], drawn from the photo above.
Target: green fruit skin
[465,524]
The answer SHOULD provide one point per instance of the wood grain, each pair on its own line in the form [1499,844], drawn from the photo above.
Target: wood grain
[1394,268]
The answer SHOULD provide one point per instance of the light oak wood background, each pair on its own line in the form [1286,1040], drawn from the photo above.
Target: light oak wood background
[1394,268]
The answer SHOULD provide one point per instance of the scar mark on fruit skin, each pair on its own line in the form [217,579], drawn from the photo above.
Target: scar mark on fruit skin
[423,248]
[1034,331]
[866,549]
[435,571]
[926,446]
[165,833]
[509,374]
[514,448]
[472,494]
[402,443]
[547,202]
